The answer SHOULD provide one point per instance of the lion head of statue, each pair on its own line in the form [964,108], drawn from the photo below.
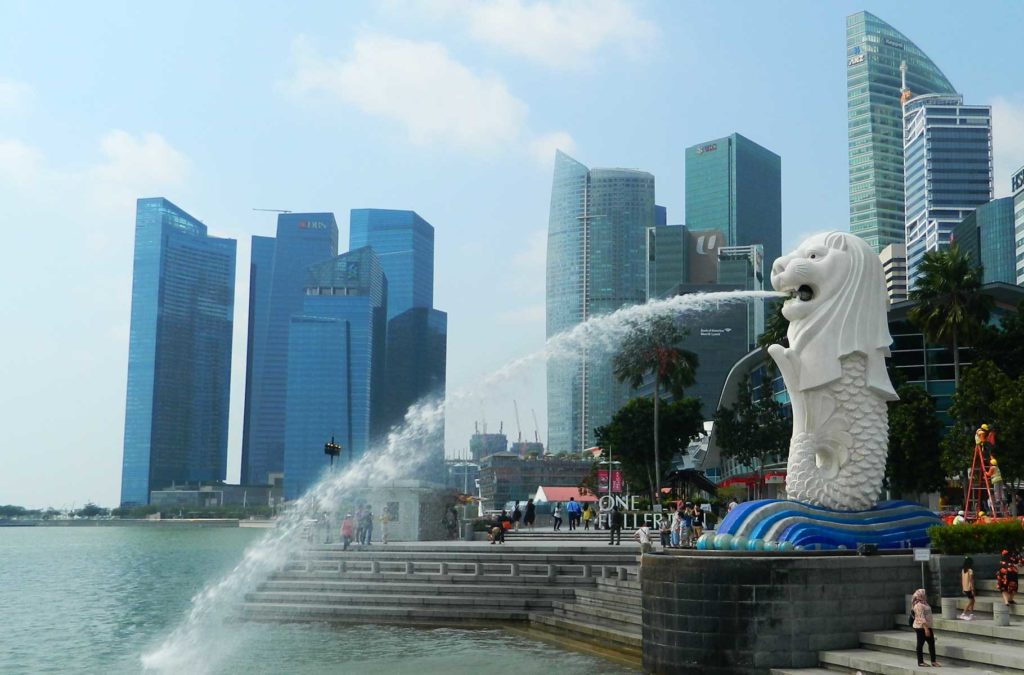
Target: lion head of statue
[838,306]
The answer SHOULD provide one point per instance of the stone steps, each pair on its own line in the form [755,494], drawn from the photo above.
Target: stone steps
[399,600]
[982,655]
[551,555]
[588,613]
[435,578]
[627,641]
[417,589]
[983,604]
[280,611]
[982,629]
[610,600]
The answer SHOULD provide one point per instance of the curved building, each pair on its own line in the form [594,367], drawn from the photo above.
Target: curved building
[874,52]
[595,265]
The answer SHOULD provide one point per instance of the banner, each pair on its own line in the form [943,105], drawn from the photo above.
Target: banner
[602,481]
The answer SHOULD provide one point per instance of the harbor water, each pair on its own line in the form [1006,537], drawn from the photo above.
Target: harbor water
[96,599]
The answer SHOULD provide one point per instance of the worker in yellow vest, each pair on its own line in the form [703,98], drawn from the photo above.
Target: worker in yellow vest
[995,476]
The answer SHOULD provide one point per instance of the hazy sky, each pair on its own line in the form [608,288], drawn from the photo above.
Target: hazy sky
[452,108]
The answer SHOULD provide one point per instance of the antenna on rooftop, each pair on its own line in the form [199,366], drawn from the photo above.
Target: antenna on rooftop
[273,210]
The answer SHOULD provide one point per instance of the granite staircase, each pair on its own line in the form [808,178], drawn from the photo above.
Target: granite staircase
[465,584]
[978,646]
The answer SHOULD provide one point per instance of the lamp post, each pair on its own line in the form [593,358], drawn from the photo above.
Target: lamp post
[332,450]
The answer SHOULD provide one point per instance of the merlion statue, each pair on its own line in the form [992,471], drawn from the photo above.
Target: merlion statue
[834,370]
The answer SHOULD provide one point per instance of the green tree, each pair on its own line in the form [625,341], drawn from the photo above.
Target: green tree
[974,402]
[914,463]
[91,510]
[629,439]
[1004,344]
[950,308]
[652,347]
[1009,425]
[754,431]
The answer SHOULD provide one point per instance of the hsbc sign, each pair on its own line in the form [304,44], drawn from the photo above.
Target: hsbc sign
[1017,181]
[711,147]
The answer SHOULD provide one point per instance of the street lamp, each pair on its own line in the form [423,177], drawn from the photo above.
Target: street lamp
[332,450]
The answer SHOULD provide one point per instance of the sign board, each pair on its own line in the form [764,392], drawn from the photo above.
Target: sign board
[854,60]
[602,480]
[1017,182]
[922,554]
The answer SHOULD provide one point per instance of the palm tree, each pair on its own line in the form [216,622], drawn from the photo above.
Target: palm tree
[652,347]
[950,308]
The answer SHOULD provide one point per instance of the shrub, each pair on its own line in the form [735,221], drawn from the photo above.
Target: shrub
[986,538]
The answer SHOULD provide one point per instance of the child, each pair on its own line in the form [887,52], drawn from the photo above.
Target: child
[967,584]
[643,535]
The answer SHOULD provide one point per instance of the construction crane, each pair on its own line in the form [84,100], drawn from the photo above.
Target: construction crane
[536,428]
[519,429]
[273,210]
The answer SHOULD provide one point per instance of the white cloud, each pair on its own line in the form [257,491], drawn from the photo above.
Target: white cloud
[14,95]
[565,35]
[129,167]
[543,147]
[1007,141]
[433,97]
[132,167]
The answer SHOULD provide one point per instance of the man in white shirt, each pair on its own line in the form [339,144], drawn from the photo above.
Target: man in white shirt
[643,535]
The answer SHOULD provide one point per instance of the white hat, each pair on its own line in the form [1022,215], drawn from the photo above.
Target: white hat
[959,513]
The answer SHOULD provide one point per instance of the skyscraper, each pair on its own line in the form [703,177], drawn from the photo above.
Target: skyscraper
[735,185]
[668,254]
[179,353]
[417,334]
[595,265]
[986,236]
[948,169]
[278,278]
[1017,191]
[335,365]
[894,266]
[874,52]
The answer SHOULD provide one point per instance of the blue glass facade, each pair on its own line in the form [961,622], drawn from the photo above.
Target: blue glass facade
[735,185]
[179,353]
[986,236]
[303,239]
[948,170]
[404,242]
[596,264]
[335,365]
[874,52]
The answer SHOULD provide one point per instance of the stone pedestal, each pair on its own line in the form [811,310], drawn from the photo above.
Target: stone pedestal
[722,612]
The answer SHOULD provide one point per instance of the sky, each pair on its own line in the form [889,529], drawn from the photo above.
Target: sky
[452,108]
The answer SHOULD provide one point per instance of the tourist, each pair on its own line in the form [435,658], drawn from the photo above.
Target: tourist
[503,523]
[643,535]
[961,518]
[530,515]
[666,530]
[360,518]
[922,614]
[367,526]
[733,504]
[616,520]
[1006,577]
[346,531]
[517,515]
[384,519]
[557,516]
[698,522]
[573,510]
[967,585]
[588,514]
[677,528]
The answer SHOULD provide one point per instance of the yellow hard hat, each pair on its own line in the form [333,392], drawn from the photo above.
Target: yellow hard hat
[985,427]
[981,513]
[993,461]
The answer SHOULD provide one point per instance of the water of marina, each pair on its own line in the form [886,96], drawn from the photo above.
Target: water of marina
[95,600]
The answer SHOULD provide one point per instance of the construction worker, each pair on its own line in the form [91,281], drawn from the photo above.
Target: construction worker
[995,476]
[981,436]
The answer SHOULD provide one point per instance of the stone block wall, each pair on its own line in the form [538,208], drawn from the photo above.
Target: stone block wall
[745,613]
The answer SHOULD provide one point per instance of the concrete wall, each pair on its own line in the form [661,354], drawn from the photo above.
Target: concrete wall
[721,612]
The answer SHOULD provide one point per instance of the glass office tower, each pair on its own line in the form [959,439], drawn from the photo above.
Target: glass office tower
[179,353]
[948,169]
[404,242]
[874,52]
[1017,191]
[668,253]
[417,333]
[335,365]
[279,272]
[596,264]
[986,237]
[735,185]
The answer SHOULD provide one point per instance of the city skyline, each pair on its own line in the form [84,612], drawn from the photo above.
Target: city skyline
[399,106]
